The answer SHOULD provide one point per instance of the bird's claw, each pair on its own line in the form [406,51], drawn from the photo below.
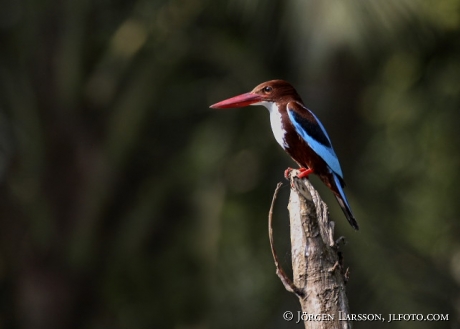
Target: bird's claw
[287,172]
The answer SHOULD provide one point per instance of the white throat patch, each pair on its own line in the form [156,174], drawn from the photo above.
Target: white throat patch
[276,122]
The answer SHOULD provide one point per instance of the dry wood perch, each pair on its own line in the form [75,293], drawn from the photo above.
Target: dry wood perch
[319,278]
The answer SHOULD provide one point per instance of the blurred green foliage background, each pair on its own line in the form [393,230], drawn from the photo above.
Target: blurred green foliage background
[127,203]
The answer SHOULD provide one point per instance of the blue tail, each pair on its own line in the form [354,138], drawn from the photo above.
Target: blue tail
[343,202]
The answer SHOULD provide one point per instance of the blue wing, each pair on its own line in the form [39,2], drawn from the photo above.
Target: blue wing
[308,126]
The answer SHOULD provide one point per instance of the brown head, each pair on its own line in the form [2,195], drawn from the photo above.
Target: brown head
[278,91]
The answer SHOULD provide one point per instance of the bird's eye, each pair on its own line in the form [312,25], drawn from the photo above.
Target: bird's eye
[267,89]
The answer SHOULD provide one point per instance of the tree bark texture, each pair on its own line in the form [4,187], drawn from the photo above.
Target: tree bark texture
[318,275]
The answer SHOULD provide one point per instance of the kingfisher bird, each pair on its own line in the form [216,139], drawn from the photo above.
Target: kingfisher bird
[300,133]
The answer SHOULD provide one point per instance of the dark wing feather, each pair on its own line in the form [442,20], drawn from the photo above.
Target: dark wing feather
[308,126]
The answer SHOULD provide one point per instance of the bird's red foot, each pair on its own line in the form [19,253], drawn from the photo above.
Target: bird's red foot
[287,172]
[304,172]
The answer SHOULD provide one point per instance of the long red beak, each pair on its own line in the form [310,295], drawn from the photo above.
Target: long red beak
[238,101]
